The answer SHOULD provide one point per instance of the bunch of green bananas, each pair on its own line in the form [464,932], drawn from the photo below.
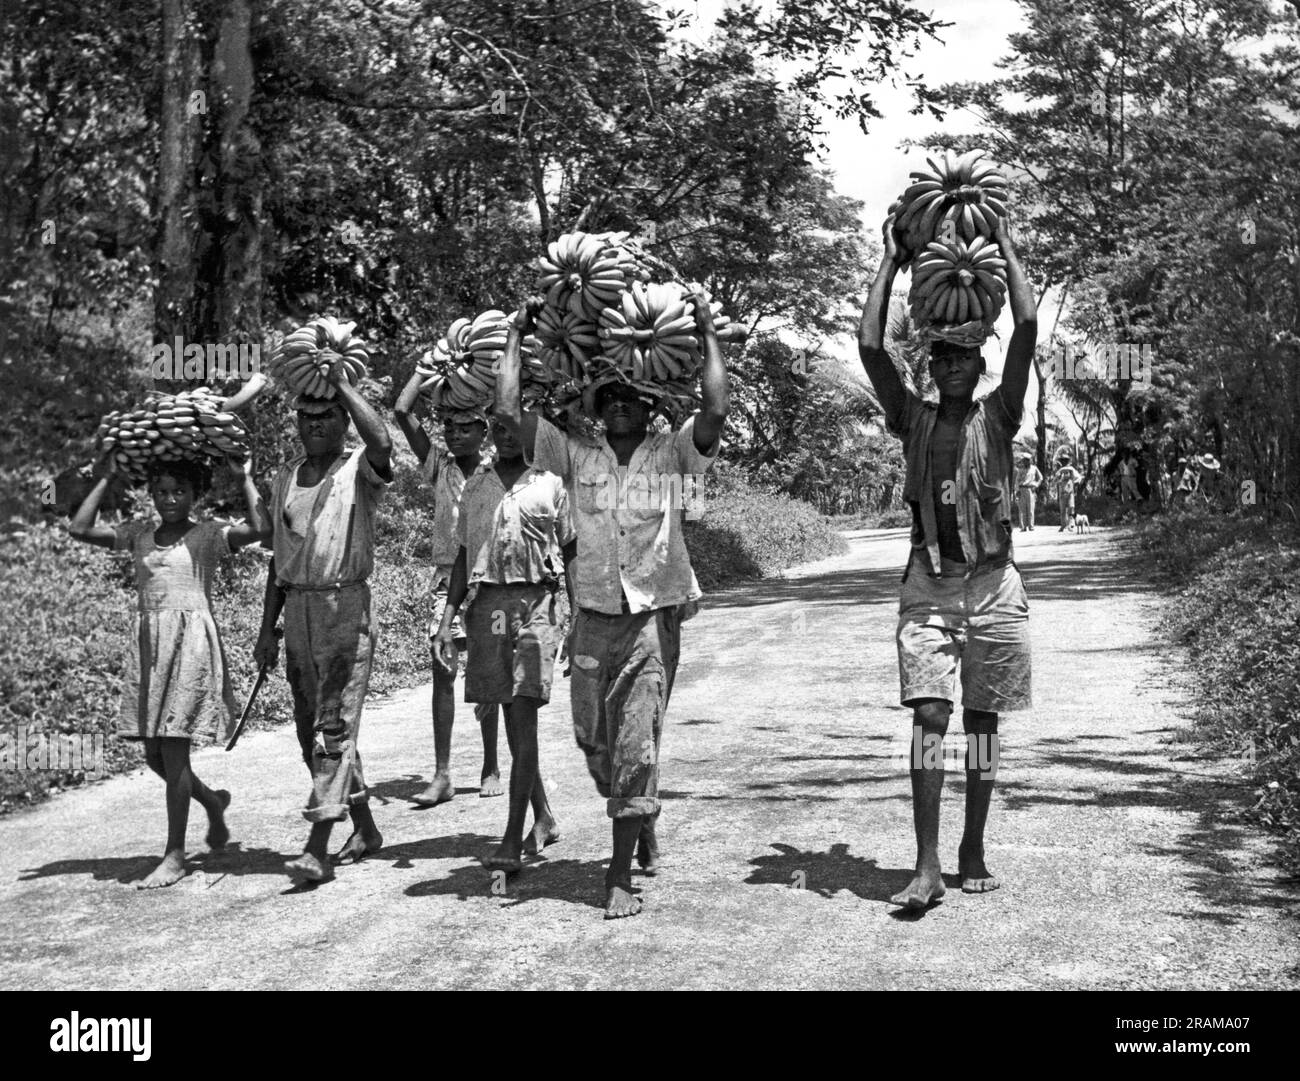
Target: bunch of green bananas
[461,370]
[302,360]
[189,426]
[958,283]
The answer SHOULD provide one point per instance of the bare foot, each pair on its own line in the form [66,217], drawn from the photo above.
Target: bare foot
[505,858]
[647,850]
[925,888]
[309,868]
[975,876]
[167,873]
[544,832]
[619,903]
[358,847]
[218,834]
[491,785]
[440,791]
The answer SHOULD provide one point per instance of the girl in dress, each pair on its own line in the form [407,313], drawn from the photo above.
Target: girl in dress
[177,686]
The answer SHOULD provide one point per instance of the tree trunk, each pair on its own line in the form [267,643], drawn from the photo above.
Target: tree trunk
[182,117]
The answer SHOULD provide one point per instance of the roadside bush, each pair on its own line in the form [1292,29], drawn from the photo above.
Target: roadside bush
[1237,611]
[749,532]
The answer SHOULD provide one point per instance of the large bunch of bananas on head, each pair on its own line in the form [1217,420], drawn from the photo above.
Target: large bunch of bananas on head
[302,360]
[958,283]
[461,370]
[612,309]
[970,193]
[189,426]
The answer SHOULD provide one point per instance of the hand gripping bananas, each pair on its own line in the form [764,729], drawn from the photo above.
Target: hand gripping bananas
[461,370]
[301,361]
[189,426]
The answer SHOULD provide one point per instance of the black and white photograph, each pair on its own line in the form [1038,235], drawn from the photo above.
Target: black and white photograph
[627,495]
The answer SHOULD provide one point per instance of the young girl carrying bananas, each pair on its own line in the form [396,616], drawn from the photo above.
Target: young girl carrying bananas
[177,684]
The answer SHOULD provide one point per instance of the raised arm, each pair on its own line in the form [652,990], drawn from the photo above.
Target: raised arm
[871,331]
[714,389]
[508,405]
[373,432]
[1024,313]
[404,411]
[257,527]
[82,525]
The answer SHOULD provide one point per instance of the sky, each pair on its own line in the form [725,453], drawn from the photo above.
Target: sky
[873,167]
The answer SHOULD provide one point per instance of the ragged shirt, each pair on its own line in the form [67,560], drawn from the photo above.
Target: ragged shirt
[628,519]
[513,536]
[983,488]
[448,488]
[336,542]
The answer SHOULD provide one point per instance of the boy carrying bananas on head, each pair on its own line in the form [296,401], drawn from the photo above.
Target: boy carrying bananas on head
[632,582]
[463,431]
[513,520]
[962,598]
[323,507]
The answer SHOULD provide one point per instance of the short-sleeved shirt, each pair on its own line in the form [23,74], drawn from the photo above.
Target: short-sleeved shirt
[628,519]
[336,543]
[985,468]
[509,536]
[1030,476]
[448,487]
[179,575]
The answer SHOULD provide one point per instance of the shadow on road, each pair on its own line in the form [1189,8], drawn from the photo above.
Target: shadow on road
[231,860]
[578,882]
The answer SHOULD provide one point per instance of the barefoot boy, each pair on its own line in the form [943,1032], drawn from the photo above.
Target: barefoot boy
[463,432]
[632,581]
[322,514]
[513,517]
[962,597]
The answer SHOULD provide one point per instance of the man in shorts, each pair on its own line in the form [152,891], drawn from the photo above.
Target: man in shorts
[463,431]
[963,603]
[513,518]
[632,579]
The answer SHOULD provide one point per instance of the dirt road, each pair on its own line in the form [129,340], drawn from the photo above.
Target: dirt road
[786,826]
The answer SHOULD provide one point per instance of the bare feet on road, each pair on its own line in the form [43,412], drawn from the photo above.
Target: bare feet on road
[218,834]
[439,791]
[545,832]
[924,890]
[170,871]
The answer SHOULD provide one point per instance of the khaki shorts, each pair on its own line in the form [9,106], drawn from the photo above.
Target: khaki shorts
[980,624]
[513,636]
[441,580]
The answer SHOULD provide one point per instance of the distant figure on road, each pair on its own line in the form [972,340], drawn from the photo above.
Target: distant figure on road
[1128,483]
[963,602]
[1028,478]
[1064,481]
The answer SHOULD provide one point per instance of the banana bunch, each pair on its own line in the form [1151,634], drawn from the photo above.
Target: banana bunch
[651,334]
[461,370]
[958,283]
[567,342]
[970,193]
[583,273]
[187,426]
[302,363]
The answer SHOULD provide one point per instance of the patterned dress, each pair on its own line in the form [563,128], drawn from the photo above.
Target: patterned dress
[177,683]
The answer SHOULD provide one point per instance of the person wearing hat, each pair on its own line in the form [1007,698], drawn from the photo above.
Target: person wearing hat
[1028,478]
[463,431]
[632,578]
[323,520]
[963,604]
[1064,481]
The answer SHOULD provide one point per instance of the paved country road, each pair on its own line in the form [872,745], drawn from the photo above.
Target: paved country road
[787,825]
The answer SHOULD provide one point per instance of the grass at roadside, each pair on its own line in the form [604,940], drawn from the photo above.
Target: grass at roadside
[1237,610]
